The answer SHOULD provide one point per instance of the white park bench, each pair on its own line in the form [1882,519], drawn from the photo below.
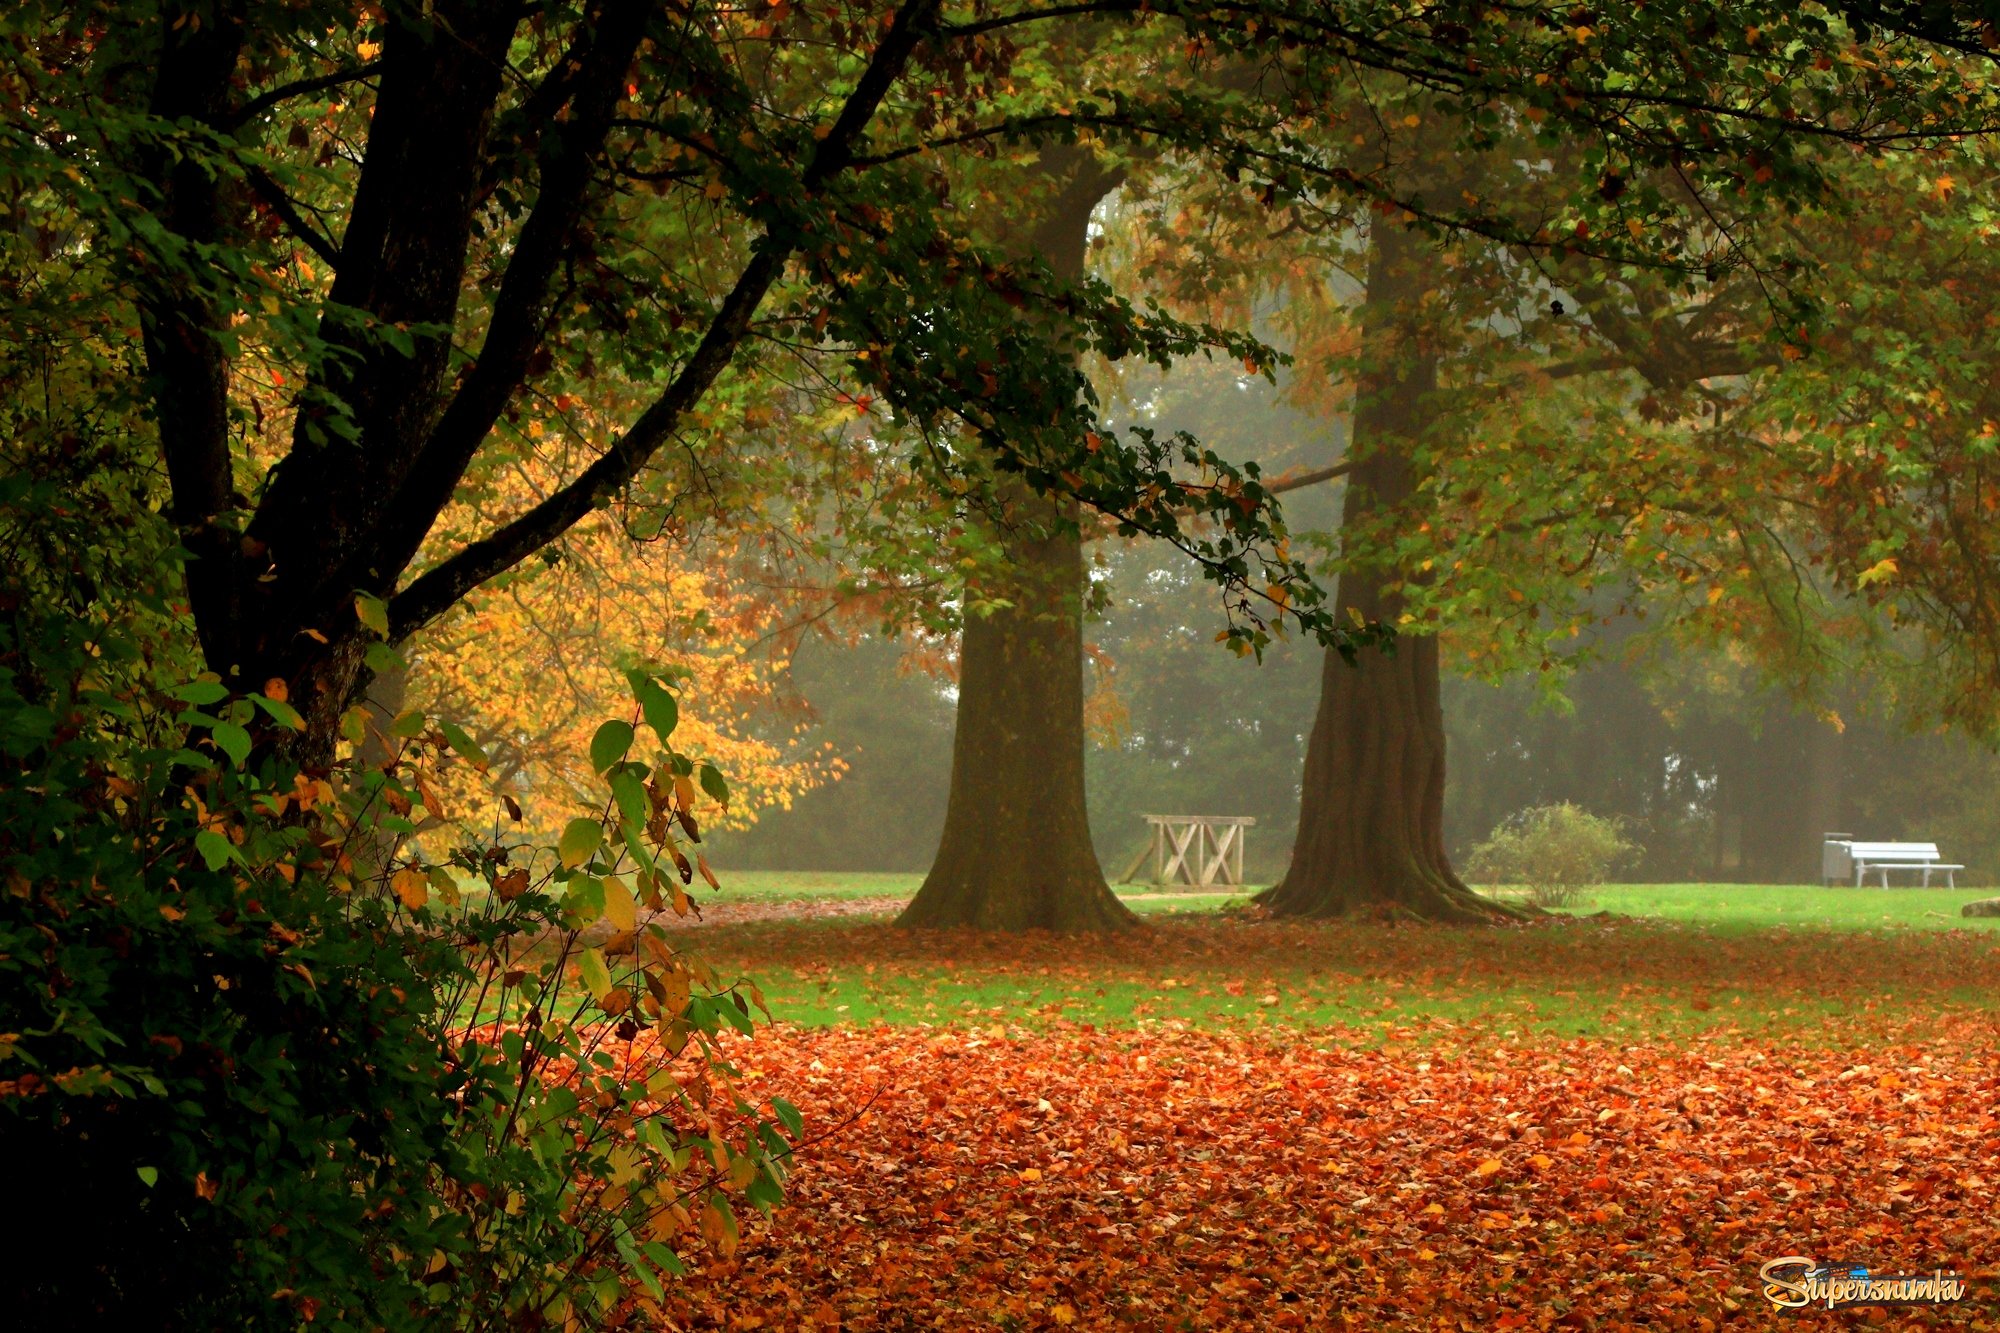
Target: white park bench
[1879,858]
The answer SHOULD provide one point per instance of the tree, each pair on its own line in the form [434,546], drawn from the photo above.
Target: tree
[1016,850]
[1371,817]
[445,209]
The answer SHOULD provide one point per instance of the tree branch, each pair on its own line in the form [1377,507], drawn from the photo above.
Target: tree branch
[263,102]
[281,203]
[1294,481]
[431,593]
[521,310]
[181,320]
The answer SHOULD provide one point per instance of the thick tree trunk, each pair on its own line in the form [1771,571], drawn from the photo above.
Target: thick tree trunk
[1016,851]
[1371,815]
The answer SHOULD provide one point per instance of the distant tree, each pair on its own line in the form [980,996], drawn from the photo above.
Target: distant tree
[883,725]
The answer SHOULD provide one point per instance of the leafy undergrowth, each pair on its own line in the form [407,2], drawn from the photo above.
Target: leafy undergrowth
[1591,977]
[1170,1178]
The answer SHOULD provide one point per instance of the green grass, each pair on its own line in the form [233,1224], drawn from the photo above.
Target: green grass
[1718,906]
[795,885]
[810,885]
[1683,961]
[1797,906]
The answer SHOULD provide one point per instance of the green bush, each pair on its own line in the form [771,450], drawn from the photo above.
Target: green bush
[1557,851]
[249,1081]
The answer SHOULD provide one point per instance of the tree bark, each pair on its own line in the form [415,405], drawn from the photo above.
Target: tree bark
[1016,852]
[1371,814]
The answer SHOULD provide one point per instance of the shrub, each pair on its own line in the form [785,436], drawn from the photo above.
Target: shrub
[249,1081]
[1557,851]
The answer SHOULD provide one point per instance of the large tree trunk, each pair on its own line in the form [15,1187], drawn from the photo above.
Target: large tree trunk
[1371,816]
[1016,851]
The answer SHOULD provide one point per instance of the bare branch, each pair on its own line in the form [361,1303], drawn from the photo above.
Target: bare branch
[296,222]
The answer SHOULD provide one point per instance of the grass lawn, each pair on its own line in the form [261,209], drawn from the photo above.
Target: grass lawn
[798,885]
[1671,959]
[1753,906]
[1720,906]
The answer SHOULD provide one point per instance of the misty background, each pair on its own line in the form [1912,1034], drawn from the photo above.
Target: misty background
[1716,774]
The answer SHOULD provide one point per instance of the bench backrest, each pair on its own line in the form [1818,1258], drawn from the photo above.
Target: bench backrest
[1915,852]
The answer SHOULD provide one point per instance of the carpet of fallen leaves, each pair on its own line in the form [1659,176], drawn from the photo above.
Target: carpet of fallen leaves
[1164,1177]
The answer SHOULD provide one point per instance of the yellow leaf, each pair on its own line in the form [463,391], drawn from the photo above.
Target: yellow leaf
[677,991]
[1064,1313]
[1487,1167]
[1031,1173]
[580,841]
[620,909]
[412,886]
[1541,1161]
[1879,572]
[716,189]
[1714,595]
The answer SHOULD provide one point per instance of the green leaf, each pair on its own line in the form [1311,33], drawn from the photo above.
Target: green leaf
[764,1193]
[583,904]
[596,976]
[216,850]
[788,1116]
[712,782]
[373,613]
[630,794]
[456,737]
[149,1176]
[200,692]
[281,713]
[609,745]
[233,741]
[408,724]
[381,659]
[737,1017]
[657,702]
[660,1254]
[580,841]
